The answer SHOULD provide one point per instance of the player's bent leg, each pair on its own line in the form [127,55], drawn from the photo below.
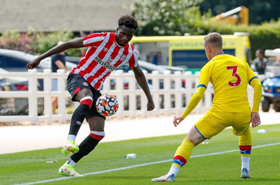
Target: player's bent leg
[87,145]
[195,136]
[84,96]
[80,114]
[80,91]
[76,122]
[181,156]
[96,125]
[245,145]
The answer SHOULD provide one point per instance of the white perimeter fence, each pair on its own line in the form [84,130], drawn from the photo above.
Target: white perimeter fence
[169,94]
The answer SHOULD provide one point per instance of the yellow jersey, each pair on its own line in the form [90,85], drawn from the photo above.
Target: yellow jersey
[230,77]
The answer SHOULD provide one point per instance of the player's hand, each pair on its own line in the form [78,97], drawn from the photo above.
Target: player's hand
[177,120]
[255,119]
[33,63]
[150,106]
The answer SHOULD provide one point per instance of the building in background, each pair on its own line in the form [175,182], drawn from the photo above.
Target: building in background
[62,15]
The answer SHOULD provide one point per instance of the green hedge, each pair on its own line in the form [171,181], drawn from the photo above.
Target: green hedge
[265,36]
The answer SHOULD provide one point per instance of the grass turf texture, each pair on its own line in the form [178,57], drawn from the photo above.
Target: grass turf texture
[223,169]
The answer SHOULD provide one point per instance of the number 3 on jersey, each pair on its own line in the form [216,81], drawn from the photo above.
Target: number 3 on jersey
[234,70]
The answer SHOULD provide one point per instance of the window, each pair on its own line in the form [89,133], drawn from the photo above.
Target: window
[124,67]
[193,58]
[2,63]
[15,64]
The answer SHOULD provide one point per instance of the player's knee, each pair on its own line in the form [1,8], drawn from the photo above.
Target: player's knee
[96,123]
[87,100]
[195,140]
[83,93]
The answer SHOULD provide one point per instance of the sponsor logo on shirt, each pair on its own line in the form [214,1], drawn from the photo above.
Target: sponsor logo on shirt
[106,64]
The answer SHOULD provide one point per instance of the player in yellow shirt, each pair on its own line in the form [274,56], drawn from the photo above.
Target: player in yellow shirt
[229,77]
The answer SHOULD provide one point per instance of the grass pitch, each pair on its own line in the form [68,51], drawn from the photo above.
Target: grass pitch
[107,165]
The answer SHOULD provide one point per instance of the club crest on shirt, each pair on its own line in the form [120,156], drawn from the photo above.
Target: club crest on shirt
[85,84]
[105,49]
[122,57]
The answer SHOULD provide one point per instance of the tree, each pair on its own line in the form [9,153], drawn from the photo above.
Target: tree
[36,42]
[13,40]
[161,17]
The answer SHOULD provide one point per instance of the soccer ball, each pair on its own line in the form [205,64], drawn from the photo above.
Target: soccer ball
[107,105]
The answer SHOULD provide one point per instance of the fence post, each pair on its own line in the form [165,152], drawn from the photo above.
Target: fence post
[106,86]
[120,96]
[197,74]
[178,93]
[61,97]
[32,100]
[144,98]
[48,99]
[189,81]
[132,97]
[155,91]
[167,95]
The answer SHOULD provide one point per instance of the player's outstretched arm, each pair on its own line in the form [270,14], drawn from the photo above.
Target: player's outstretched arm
[76,43]
[141,79]
[255,117]
[195,99]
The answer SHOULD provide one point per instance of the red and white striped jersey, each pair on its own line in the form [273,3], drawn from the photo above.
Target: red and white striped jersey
[102,57]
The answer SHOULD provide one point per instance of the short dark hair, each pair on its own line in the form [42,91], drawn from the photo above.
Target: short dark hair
[128,21]
[214,39]
[259,51]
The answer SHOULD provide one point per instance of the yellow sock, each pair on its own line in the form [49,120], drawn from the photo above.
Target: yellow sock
[181,157]
[245,143]
[245,146]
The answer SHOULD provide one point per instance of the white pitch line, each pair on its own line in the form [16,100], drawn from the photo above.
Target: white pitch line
[144,164]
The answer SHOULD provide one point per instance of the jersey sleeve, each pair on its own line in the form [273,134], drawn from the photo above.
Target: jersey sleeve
[195,99]
[133,61]
[94,39]
[205,75]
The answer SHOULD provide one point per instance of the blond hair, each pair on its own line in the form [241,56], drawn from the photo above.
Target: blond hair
[214,39]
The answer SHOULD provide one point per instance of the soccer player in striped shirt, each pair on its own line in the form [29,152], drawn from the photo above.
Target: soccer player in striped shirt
[105,52]
[229,77]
